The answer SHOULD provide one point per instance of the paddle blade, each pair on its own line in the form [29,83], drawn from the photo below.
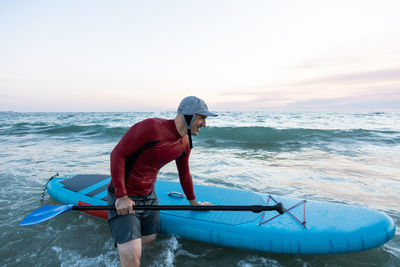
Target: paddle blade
[44,213]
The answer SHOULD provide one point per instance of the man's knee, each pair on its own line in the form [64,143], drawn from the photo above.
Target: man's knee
[130,252]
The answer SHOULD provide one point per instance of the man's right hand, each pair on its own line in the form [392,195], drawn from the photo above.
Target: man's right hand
[124,205]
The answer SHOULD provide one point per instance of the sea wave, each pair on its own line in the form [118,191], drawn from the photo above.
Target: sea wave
[60,130]
[249,137]
[264,137]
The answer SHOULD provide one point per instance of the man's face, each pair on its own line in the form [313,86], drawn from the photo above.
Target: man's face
[199,121]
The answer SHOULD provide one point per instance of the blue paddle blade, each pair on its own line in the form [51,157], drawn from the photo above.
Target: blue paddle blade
[44,213]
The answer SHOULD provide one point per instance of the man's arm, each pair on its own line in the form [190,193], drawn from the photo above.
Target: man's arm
[185,178]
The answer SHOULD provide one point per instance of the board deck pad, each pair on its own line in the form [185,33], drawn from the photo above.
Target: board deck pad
[83,181]
[309,227]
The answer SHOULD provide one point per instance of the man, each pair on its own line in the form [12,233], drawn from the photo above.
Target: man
[135,162]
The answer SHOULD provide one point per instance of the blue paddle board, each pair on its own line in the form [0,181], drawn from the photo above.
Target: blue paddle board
[307,227]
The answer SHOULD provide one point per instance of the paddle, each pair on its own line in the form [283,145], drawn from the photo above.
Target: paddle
[48,212]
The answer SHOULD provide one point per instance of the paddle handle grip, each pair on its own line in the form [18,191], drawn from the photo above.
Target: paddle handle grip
[254,208]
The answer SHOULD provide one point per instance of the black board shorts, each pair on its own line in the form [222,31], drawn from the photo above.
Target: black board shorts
[125,228]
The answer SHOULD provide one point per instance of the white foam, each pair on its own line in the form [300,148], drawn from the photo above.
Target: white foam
[168,255]
[71,258]
[182,252]
[170,252]
[258,261]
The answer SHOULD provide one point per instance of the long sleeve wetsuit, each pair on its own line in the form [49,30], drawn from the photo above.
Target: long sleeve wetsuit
[140,154]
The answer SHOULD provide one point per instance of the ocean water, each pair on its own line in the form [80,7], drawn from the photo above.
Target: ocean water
[351,158]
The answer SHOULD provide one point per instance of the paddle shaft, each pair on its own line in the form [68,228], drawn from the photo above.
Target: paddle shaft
[254,208]
[45,213]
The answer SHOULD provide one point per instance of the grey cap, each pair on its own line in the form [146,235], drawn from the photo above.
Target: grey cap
[192,105]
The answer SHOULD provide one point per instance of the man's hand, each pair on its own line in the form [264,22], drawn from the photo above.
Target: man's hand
[194,202]
[124,205]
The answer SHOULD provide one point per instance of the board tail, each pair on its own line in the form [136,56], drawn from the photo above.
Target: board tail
[98,213]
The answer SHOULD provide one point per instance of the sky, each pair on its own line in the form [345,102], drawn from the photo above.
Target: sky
[267,55]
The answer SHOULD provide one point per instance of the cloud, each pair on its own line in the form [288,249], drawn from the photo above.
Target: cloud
[346,104]
[392,75]
[373,90]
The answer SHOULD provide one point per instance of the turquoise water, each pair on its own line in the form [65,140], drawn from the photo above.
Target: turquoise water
[348,158]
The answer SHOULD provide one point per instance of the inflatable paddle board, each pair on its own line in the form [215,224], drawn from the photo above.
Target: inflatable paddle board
[307,227]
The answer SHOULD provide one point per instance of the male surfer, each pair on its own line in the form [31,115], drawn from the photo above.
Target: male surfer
[135,162]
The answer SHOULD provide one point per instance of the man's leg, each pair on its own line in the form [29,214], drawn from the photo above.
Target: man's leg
[148,239]
[140,227]
[151,221]
[130,253]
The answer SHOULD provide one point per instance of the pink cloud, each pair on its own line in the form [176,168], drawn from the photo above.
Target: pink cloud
[374,90]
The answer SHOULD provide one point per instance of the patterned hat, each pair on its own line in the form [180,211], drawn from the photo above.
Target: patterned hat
[192,105]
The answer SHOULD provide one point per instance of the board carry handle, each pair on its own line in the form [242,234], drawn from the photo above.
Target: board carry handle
[176,195]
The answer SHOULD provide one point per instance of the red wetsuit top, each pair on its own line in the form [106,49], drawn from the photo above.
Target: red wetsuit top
[140,154]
